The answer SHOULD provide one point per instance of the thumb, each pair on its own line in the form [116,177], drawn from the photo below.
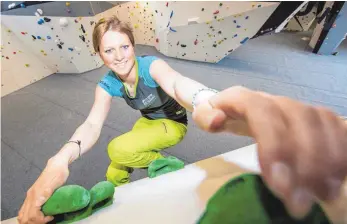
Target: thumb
[48,219]
[208,118]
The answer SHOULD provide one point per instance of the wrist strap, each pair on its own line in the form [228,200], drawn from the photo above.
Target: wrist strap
[78,142]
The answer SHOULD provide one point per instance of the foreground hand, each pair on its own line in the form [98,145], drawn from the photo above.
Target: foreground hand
[302,149]
[53,176]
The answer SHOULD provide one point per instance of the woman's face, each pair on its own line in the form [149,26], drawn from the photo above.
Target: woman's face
[117,52]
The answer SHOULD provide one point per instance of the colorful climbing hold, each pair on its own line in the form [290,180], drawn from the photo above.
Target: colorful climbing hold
[216,12]
[40,22]
[136,26]
[38,37]
[244,40]
[83,30]
[14,52]
[67,4]
[23,33]
[70,49]
[22,5]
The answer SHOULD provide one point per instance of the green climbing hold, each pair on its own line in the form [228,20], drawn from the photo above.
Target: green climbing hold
[164,165]
[66,199]
[68,203]
[246,199]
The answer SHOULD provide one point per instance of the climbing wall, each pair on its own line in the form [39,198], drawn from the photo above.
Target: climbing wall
[139,16]
[63,44]
[19,66]
[302,22]
[199,31]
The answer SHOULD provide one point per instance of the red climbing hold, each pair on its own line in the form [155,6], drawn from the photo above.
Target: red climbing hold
[216,12]
[196,42]
[14,52]
[23,33]
[167,4]
[157,40]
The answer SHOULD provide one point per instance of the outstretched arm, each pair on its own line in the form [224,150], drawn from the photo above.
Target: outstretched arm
[302,149]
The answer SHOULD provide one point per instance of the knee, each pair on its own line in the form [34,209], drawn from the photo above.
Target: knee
[119,151]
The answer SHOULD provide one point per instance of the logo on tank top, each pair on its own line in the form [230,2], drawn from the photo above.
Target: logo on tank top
[149,99]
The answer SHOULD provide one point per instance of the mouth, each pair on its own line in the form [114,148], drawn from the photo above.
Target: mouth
[121,65]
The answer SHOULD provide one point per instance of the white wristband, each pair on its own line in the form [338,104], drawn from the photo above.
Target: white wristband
[201,95]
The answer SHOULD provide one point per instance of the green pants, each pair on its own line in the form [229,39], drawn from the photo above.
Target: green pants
[139,147]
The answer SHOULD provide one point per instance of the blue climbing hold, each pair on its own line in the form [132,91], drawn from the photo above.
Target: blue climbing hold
[238,26]
[22,5]
[48,37]
[168,24]
[235,35]
[41,21]
[244,40]
[234,21]
[70,49]
[247,17]
[171,14]
[38,37]
[173,30]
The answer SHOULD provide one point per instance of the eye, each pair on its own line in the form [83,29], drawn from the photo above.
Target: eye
[125,47]
[108,51]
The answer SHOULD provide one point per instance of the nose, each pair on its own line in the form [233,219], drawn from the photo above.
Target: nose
[119,55]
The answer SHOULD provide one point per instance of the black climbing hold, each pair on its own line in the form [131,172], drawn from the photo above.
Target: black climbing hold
[202,9]
[246,17]
[52,28]
[214,45]
[211,27]
[82,38]
[183,45]
[46,19]
[220,4]
[33,37]
[235,35]
[83,30]
[230,50]
[61,43]
[225,38]
[156,11]
[56,36]
[91,23]
[215,17]
[59,46]
[238,26]
[234,21]
[178,43]
[219,32]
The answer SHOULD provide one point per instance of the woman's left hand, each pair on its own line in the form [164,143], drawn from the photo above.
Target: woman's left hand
[302,149]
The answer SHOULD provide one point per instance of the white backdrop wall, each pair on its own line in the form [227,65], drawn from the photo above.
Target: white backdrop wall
[19,66]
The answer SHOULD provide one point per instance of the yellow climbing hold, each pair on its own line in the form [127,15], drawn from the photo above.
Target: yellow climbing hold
[132,14]
[209,35]
[9,30]
[43,39]
[20,51]
[136,26]
[245,29]
[27,65]
[208,22]
[42,51]
[219,42]
[80,18]
[45,54]
[67,4]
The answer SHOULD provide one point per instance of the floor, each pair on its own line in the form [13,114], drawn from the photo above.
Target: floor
[38,119]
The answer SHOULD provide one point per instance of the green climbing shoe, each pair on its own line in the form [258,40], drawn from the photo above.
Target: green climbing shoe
[246,199]
[164,165]
[66,199]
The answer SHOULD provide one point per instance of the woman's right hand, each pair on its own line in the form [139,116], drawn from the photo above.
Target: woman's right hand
[53,176]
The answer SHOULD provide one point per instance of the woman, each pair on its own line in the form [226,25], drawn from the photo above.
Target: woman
[302,149]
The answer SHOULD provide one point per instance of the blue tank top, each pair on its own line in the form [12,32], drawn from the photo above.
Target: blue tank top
[150,99]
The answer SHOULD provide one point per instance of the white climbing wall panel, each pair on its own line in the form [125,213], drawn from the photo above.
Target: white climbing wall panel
[199,31]
[19,67]
[75,55]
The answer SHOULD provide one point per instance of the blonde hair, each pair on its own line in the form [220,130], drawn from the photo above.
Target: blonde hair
[111,23]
